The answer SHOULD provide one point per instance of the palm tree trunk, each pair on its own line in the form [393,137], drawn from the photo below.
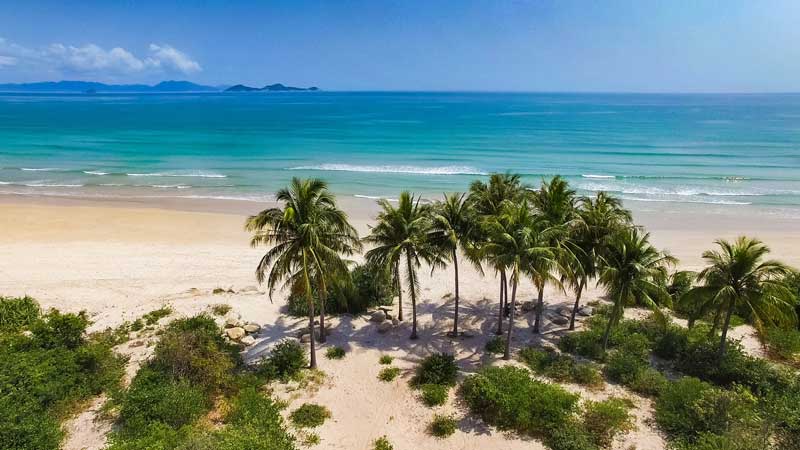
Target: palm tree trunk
[311,314]
[399,291]
[539,310]
[614,313]
[323,297]
[507,354]
[690,321]
[717,316]
[500,313]
[577,304]
[725,325]
[455,315]
[413,298]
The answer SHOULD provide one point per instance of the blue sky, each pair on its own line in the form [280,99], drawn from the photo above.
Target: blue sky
[496,45]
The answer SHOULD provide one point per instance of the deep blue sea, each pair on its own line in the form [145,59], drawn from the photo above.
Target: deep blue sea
[671,149]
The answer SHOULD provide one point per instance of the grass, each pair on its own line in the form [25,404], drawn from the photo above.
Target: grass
[335,353]
[496,345]
[309,415]
[385,359]
[220,309]
[17,313]
[382,443]
[154,316]
[434,394]
[388,374]
[442,426]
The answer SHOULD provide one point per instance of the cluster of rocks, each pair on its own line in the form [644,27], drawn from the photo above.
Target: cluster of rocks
[561,315]
[304,334]
[238,331]
[384,318]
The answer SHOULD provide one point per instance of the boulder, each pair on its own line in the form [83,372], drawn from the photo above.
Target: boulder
[586,311]
[378,316]
[564,311]
[383,327]
[252,328]
[249,289]
[231,322]
[395,322]
[305,339]
[528,306]
[248,340]
[235,333]
[559,320]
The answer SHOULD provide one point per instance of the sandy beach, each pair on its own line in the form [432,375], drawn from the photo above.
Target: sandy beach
[120,260]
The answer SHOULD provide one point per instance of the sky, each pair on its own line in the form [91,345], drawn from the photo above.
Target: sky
[470,45]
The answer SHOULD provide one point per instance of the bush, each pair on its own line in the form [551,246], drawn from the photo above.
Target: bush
[220,309]
[783,343]
[285,361]
[438,368]
[54,330]
[154,316]
[509,398]
[587,375]
[496,345]
[382,443]
[17,313]
[629,359]
[309,415]
[604,420]
[388,374]
[570,436]
[442,426]
[434,394]
[560,367]
[671,343]
[254,423]
[25,425]
[649,382]
[334,353]
[385,359]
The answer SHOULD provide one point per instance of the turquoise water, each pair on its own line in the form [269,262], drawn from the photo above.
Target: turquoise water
[730,150]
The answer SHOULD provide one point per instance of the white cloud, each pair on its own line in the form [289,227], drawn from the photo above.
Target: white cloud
[95,60]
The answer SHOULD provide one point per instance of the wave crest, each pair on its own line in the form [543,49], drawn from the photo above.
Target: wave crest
[418,170]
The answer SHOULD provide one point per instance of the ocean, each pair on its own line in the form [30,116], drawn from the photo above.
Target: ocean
[731,151]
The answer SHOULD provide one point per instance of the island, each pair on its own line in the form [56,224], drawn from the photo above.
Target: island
[277,87]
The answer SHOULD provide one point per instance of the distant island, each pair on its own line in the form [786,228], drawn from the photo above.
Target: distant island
[93,87]
[277,87]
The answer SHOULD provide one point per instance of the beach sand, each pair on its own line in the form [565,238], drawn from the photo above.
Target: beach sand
[121,260]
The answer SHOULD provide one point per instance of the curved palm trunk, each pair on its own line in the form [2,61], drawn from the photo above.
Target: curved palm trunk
[614,313]
[581,285]
[717,316]
[502,306]
[507,354]
[539,310]
[413,298]
[455,314]
[399,291]
[725,325]
[311,314]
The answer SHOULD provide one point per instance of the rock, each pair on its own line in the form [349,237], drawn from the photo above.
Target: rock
[383,327]
[248,340]
[136,344]
[395,322]
[235,333]
[564,311]
[389,317]
[528,306]
[586,311]
[305,339]
[559,320]
[231,322]
[194,291]
[218,291]
[378,316]
[252,328]
[249,289]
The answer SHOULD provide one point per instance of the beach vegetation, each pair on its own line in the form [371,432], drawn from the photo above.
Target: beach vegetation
[220,309]
[385,359]
[17,313]
[309,415]
[388,374]
[442,426]
[561,367]
[434,394]
[155,315]
[496,345]
[382,443]
[437,368]
[334,353]
[606,419]
[285,361]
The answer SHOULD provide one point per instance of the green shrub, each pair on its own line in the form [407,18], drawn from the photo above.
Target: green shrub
[783,343]
[285,361]
[334,353]
[382,443]
[587,375]
[649,382]
[438,368]
[26,425]
[629,359]
[509,398]
[560,367]
[154,316]
[385,359]
[442,426]
[570,436]
[254,422]
[434,394]
[587,343]
[54,330]
[604,420]
[496,345]
[220,309]
[17,313]
[309,415]
[671,343]
[137,325]
[388,374]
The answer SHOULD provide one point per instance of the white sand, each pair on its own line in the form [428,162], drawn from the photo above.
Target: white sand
[121,261]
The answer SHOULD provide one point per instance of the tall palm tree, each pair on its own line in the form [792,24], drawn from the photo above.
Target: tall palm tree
[517,241]
[404,232]
[454,229]
[487,199]
[598,218]
[631,270]
[556,204]
[309,235]
[738,277]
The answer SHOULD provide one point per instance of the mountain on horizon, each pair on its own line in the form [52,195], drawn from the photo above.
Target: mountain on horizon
[70,86]
[277,87]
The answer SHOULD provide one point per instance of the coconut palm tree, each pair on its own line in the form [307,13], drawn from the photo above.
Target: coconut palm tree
[555,202]
[517,241]
[454,229]
[487,200]
[404,232]
[597,218]
[738,277]
[309,235]
[631,270]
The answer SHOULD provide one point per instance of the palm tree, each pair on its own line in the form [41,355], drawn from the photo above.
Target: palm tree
[597,219]
[738,277]
[404,231]
[517,241]
[631,270]
[308,235]
[454,227]
[487,200]
[556,204]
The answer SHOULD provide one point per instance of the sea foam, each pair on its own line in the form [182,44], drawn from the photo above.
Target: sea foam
[419,170]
